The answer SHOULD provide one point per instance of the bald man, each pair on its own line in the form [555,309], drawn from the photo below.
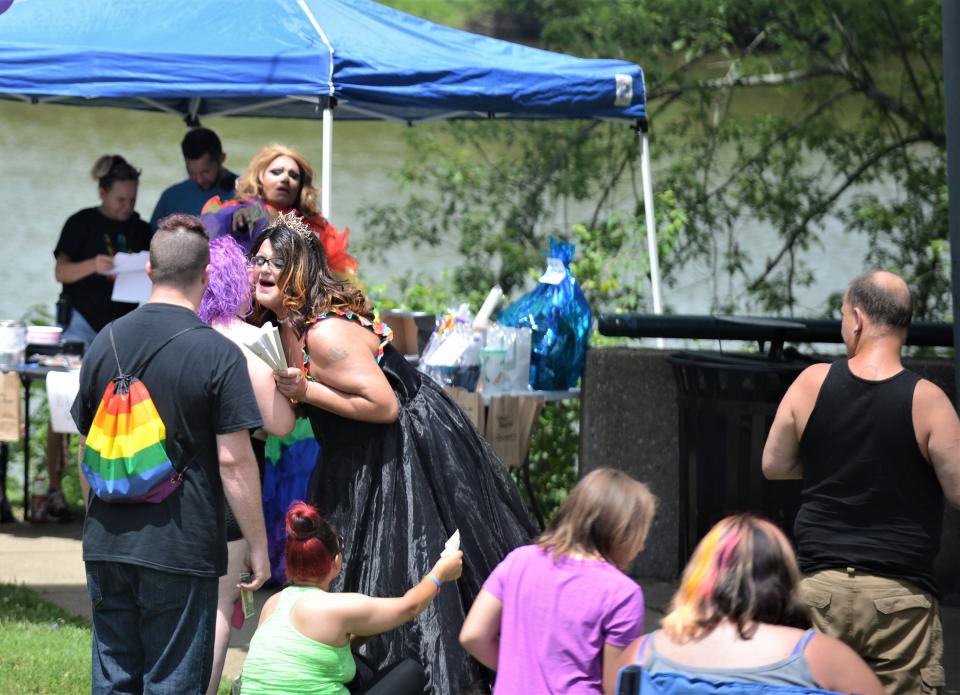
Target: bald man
[877,448]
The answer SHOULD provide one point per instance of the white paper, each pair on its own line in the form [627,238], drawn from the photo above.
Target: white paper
[131,262]
[452,545]
[62,388]
[267,346]
[131,283]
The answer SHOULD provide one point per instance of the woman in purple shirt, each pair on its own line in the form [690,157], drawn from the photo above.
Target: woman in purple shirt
[554,617]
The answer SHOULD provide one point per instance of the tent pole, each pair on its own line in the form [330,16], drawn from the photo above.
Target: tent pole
[652,250]
[326,162]
[950,23]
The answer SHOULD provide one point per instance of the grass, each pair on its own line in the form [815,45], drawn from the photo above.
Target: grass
[43,649]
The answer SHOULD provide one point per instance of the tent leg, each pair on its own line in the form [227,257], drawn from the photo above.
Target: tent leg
[652,250]
[326,163]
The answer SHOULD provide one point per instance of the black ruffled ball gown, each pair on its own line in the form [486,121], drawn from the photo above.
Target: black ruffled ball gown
[396,493]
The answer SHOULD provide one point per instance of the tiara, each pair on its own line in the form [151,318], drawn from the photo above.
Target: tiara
[295,224]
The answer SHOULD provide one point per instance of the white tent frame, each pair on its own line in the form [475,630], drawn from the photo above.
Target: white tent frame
[326,170]
[653,251]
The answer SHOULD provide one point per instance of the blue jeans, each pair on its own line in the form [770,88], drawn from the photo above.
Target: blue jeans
[152,630]
[78,330]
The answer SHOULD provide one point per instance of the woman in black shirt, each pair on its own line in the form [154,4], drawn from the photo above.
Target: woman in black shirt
[88,243]
[84,253]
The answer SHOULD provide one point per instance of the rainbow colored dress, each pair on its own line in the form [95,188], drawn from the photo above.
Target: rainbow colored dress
[289,463]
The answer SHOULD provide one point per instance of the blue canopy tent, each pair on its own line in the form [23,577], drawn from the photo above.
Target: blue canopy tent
[302,59]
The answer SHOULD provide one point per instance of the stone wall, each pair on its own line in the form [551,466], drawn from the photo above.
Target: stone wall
[629,420]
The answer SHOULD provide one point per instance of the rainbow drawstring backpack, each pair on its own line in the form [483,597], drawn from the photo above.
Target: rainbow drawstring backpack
[125,456]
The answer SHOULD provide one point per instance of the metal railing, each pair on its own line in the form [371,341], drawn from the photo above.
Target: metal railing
[762,329]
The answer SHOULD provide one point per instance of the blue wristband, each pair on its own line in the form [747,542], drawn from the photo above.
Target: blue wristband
[434,580]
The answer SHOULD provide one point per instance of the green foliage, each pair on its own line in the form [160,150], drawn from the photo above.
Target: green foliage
[42,648]
[416,294]
[487,189]
[907,236]
[787,117]
[553,456]
[38,315]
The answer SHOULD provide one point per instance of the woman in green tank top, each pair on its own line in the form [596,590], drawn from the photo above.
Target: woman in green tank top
[303,641]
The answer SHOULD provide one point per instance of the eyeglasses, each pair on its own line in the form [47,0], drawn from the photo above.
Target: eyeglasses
[340,544]
[259,261]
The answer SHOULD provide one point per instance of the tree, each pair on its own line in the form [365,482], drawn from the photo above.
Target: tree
[856,132]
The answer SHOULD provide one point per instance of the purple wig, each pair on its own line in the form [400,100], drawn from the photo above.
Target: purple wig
[229,293]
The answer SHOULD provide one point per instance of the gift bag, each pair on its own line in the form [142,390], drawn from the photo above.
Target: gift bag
[559,317]
[510,426]
[452,355]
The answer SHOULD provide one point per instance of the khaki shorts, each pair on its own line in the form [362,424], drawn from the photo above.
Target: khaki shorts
[892,624]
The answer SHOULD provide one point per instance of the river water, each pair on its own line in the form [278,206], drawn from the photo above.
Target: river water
[47,151]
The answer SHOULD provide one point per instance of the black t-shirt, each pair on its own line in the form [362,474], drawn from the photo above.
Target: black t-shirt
[200,387]
[86,234]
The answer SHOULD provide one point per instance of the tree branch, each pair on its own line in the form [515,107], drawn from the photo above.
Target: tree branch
[772,79]
[935,77]
[825,204]
[521,211]
[609,188]
[732,73]
[783,136]
[863,84]
[901,49]
[850,48]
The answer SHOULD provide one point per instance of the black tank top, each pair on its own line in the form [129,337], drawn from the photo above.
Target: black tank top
[870,499]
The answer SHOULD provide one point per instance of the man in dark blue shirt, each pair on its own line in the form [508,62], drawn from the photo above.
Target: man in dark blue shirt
[204,157]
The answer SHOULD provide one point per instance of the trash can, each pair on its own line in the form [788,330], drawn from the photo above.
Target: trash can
[726,404]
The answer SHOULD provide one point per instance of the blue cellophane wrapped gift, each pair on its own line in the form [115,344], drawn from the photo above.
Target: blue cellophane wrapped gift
[559,317]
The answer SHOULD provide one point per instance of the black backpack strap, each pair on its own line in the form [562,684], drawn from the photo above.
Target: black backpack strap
[113,344]
[139,370]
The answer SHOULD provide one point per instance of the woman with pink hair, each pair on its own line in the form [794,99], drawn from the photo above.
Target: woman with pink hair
[737,618]
[225,302]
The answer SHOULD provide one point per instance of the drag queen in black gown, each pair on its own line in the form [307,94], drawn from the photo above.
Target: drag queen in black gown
[401,467]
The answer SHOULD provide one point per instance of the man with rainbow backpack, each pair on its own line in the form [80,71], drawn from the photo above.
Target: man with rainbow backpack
[166,406]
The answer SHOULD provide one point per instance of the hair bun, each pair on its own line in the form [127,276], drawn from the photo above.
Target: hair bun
[302,528]
[303,521]
[104,165]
